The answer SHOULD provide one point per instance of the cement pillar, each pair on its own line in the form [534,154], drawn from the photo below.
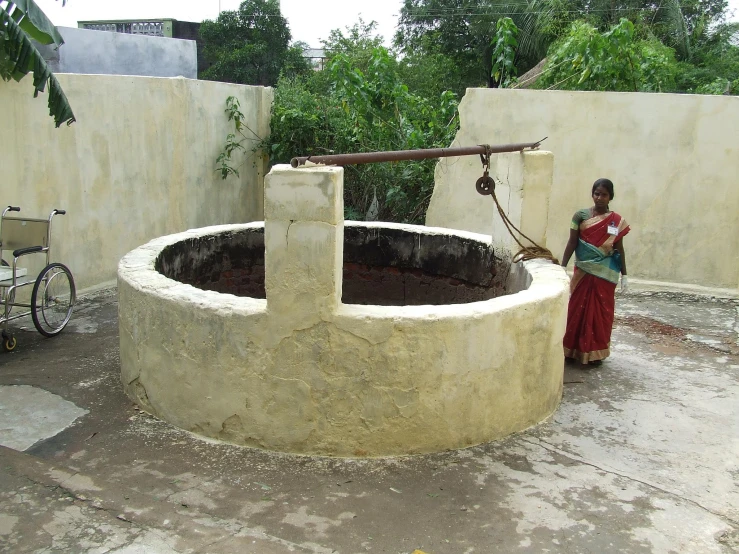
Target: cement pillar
[304,244]
[528,177]
[523,182]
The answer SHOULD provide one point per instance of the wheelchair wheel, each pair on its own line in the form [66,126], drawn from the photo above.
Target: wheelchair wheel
[52,299]
[9,343]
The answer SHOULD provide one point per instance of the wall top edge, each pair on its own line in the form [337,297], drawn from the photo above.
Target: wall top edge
[201,82]
[539,92]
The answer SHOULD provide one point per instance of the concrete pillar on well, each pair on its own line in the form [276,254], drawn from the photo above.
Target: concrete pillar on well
[304,245]
[523,184]
[528,176]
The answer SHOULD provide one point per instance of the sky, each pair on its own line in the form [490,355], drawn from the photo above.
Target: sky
[309,20]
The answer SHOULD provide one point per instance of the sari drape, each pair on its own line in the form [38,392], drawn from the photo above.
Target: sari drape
[592,289]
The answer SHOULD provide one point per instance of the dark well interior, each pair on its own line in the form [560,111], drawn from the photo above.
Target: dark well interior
[382,266]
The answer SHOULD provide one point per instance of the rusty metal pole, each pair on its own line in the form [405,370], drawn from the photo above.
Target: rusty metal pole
[403,155]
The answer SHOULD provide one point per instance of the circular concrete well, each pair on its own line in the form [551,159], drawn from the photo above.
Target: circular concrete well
[317,336]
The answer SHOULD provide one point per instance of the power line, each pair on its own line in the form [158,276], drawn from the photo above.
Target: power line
[497,13]
[491,5]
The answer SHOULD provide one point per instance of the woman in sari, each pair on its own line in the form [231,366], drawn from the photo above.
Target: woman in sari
[596,238]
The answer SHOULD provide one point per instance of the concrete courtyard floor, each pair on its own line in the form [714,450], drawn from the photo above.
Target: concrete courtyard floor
[642,456]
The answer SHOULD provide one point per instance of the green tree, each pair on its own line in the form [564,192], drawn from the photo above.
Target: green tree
[505,44]
[459,29]
[672,22]
[357,44]
[586,59]
[250,45]
[21,21]
[714,63]
[426,73]
[359,111]
[465,29]
[374,110]
[430,72]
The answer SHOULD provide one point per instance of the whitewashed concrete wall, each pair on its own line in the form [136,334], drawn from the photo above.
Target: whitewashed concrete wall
[674,160]
[139,163]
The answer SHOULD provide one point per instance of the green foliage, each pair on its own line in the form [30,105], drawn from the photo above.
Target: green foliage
[301,121]
[361,111]
[714,64]
[250,46]
[586,59]
[294,63]
[429,73]
[358,44]
[545,21]
[21,21]
[463,29]
[717,86]
[235,141]
[504,52]
[426,72]
[379,113]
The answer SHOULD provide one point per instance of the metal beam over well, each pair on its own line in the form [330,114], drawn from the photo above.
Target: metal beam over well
[421,154]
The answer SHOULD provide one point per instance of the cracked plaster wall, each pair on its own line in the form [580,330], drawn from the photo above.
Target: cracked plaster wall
[523,182]
[301,372]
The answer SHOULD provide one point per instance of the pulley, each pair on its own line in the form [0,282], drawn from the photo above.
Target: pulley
[485,185]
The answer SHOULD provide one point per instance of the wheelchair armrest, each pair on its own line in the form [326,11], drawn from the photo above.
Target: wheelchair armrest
[30,250]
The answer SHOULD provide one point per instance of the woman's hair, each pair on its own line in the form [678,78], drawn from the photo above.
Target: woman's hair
[606,184]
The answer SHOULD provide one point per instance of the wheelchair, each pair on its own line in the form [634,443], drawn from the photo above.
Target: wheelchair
[53,295]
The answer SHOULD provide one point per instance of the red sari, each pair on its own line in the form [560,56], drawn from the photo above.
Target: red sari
[592,289]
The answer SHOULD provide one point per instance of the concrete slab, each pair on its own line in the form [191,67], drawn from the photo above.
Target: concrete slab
[29,415]
[642,456]
[710,321]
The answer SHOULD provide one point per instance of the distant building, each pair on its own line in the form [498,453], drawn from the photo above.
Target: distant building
[170,28]
[316,57]
[151,47]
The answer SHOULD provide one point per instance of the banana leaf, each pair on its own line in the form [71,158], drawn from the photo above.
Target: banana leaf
[35,23]
[18,57]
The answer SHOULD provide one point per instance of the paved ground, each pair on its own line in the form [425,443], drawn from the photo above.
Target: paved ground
[642,456]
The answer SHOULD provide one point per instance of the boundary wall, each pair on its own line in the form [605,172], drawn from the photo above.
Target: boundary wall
[109,53]
[674,160]
[139,163]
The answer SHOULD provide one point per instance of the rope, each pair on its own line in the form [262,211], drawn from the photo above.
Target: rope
[527,252]
[485,185]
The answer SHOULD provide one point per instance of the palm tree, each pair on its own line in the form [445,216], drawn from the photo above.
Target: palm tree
[463,29]
[20,22]
[545,20]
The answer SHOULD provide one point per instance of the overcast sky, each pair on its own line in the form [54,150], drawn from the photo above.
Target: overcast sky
[310,20]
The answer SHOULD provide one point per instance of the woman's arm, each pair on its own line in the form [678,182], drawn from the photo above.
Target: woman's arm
[571,245]
[620,248]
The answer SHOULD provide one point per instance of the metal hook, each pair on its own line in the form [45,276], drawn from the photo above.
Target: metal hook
[485,157]
[485,185]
